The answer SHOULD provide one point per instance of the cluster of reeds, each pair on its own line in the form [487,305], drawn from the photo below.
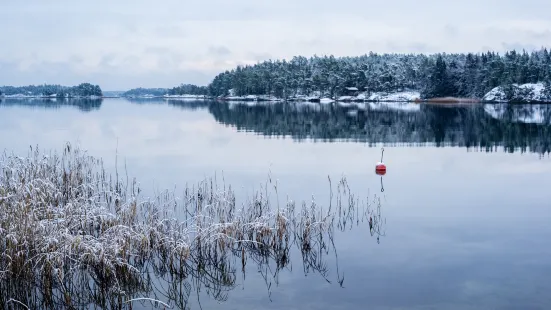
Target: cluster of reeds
[74,236]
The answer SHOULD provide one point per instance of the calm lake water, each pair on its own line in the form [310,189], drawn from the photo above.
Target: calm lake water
[466,197]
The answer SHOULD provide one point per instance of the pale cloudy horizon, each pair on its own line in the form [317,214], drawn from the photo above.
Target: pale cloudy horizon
[131,44]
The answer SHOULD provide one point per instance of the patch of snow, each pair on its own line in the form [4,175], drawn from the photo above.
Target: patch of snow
[326,100]
[19,96]
[312,98]
[268,98]
[406,96]
[352,88]
[495,95]
[298,98]
[526,92]
[185,96]
[234,98]
[259,98]
[345,98]
[536,89]
[361,96]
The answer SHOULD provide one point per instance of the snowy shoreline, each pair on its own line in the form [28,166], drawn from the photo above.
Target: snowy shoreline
[21,96]
[525,93]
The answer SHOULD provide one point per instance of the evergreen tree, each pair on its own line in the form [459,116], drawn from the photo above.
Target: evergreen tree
[439,82]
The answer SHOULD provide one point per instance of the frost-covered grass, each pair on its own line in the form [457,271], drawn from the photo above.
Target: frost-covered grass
[73,235]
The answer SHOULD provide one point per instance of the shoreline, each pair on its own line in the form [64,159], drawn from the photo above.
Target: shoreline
[254,98]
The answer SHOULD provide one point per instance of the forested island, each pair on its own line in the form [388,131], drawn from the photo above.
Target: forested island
[84,90]
[514,76]
[488,77]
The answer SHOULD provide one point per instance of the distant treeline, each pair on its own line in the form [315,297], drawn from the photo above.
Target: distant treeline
[438,75]
[81,90]
[434,76]
[183,89]
[156,92]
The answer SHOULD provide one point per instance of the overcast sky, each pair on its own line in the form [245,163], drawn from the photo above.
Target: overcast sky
[124,44]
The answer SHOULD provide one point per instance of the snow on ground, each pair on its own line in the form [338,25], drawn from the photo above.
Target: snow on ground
[269,98]
[362,96]
[495,95]
[346,98]
[184,96]
[19,96]
[530,114]
[533,92]
[537,90]
[235,98]
[252,98]
[405,96]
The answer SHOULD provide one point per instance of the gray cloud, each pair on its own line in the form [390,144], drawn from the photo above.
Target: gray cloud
[413,47]
[142,43]
[517,46]
[545,34]
[451,30]
[260,56]
[219,51]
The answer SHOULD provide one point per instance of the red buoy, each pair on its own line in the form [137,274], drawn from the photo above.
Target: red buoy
[380,168]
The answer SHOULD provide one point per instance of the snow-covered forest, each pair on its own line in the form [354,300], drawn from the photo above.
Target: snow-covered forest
[434,76]
[144,92]
[46,90]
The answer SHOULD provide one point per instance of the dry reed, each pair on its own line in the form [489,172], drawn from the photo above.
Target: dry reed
[73,236]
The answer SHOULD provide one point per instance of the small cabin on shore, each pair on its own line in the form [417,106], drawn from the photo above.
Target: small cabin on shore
[351,91]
